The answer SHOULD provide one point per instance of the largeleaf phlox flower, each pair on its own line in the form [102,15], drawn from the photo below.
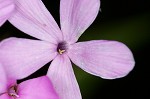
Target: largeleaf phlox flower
[37,88]
[103,58]
[6,9]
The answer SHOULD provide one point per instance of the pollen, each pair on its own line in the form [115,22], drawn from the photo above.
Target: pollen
[61,48]
[61,51]
[13,91]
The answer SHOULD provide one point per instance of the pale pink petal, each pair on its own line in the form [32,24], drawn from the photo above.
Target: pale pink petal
[6,9]
[37,88]
[76,16]
[33,18]
[22,57]
[3,79]
[63,78]
[4,96]
[107,59]
[5,82]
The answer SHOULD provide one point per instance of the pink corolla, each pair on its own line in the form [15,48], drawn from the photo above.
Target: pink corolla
[6,9]
[37,88]
[103,58]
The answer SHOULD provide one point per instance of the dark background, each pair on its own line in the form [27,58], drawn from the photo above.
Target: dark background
[127,21]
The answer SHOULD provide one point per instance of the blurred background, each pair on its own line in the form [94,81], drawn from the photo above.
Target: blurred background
[127,21]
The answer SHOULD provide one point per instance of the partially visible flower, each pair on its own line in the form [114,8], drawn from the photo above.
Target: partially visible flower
[37,88]
[6,9]
[103,58]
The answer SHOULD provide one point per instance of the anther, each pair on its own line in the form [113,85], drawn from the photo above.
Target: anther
[61,51]
[61,47]
[13,91]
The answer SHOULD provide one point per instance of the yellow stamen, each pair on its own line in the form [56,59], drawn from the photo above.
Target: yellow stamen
[14,95]
[61,51]
[12,92]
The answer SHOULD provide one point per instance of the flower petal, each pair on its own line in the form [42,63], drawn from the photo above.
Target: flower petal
[37,88]
[33,18]
[6,9]
[63,78]
[76,16]
[22,57]
[4,96]
[107,59]
[3,80]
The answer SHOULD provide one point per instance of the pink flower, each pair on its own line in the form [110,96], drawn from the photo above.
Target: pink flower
[106,59]
[37,88]
[6,9]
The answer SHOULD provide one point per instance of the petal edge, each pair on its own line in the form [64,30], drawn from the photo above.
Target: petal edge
[63,78]
[22,57]
[107,59]
[76,16]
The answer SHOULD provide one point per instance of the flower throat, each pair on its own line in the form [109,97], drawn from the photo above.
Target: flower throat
[61,48]
[12,91]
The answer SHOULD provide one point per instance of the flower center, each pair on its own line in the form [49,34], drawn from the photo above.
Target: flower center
[12,91]
[61,48]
